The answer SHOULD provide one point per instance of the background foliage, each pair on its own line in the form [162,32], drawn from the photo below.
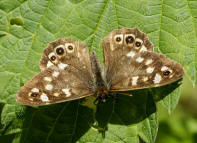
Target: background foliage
[26,26]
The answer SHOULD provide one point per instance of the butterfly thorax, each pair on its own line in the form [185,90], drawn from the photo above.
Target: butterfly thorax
[101,90]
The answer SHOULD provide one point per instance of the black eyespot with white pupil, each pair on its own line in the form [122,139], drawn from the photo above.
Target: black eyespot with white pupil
[70,47]
[34,94]
[53,58]
[166,73]
[129,39]
[138,44]
[60,51]
[118,39]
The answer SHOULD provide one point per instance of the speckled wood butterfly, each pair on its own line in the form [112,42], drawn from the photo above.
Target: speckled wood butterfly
[69,73]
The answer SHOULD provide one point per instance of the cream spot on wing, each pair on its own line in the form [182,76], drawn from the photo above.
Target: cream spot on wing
[47,78]
[67,92]
[139,59]
[49,87]
[49,64]
[84,50]
[78,55]
[29,94]
[51,54]
[145,78]
[31,99]
[139,40]
[134,80]
[150,69]
[157,78]
[62,66]
[112,47]
[131,54]
[143,48]
[171,76]
[164,68]
[44,97]
[148,62]
[35,90]
[55,74]
[56,94]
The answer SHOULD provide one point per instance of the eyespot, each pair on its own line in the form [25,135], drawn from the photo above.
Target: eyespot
[34,94]
[129,38]
[138,42]
[69,47]
[166,73]
[118,38]
[60,50]
[53,58]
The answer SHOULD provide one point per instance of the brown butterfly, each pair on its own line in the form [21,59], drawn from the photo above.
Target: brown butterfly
[69,73]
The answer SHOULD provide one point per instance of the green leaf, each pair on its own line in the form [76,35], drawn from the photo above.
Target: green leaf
[26,27]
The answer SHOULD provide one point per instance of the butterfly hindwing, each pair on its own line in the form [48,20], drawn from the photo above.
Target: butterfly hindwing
[52,85]
[144,70]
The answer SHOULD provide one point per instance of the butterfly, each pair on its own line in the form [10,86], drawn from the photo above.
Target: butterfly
[68,72]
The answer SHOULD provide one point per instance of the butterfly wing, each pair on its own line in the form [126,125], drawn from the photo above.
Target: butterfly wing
[53,85]
[68,52]
[65,75]
[145,70]
[121,41]
[130,63]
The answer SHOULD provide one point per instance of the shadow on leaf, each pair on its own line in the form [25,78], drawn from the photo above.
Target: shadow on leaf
[70,121]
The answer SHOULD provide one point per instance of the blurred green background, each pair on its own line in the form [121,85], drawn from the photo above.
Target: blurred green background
[181,125]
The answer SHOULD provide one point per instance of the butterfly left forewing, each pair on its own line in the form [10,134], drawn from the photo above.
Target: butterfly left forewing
[53,85]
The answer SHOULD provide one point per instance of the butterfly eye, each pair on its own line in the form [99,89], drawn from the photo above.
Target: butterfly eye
[118,38]
[60,51]
[166,73]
